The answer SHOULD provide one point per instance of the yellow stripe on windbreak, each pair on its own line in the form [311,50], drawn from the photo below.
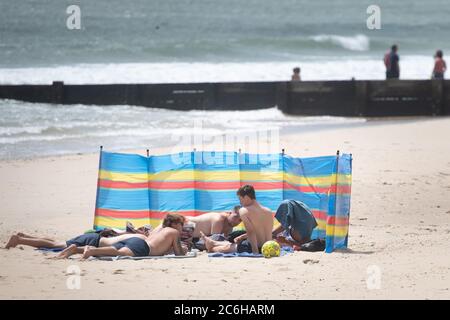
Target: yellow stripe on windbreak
[119,223]
[338,231]
[225,175]
[124,177]
[323,181]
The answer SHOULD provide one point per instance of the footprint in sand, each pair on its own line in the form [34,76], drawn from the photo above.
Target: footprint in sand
[283,269]
[118,271]
[310,261]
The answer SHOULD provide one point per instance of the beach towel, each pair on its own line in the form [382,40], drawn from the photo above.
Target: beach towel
[191,254]
[144,189]
[235,255]
[50,249]
[284,251]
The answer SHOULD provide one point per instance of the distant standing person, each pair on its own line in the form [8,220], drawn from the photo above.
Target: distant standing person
[296,74]
[391,61]
[439,65]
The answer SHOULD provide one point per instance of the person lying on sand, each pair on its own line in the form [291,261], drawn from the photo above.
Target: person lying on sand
[213,222]
[219,224]
[258,222]
[72,246]
[159,242]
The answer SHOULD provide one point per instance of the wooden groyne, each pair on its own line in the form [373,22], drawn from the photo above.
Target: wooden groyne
[337,98]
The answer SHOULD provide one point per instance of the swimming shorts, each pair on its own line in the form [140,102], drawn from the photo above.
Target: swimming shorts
[138,246]
[87,239]
[245,246]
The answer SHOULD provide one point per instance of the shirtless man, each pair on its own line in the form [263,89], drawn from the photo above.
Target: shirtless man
[215,222]
[159,242]
[258,222]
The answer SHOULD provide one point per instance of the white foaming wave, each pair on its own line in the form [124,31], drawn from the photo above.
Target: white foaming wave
[312,68]
[358,42]
[9,131]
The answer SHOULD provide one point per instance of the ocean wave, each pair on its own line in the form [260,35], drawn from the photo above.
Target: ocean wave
[358,42]
[337,68]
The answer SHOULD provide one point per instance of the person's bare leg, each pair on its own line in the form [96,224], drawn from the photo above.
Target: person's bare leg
[227,248]
[69,251]
[107,242]
[15,240]
[105,251]
[218,246]
[24,235]
[12,242]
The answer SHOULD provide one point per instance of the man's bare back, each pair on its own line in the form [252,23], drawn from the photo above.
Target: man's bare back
[164,241]
[258,221]
[210,223]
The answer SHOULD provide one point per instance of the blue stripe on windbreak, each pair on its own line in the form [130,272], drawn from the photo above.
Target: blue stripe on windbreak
[121,162]
[123,200]
[310,167]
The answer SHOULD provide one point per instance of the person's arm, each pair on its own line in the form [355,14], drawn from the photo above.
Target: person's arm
[177,248]
[241,238]
[277,230]
[251,234]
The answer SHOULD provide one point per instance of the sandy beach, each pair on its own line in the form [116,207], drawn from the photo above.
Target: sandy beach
[399,228]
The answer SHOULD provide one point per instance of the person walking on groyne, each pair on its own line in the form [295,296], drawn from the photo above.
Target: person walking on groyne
[391,61]
[439,65]
[296,74]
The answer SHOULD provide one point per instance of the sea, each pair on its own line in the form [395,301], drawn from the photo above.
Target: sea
[173,41]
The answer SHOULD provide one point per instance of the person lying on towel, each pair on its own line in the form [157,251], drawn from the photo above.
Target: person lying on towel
[218,224]
[70,247]
[296,223]
[77,244]
[258,222]
[158,243]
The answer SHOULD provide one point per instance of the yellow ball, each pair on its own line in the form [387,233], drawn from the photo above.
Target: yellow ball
[271,249]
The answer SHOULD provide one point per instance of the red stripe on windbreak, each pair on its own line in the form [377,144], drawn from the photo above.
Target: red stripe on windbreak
[121,185]
[143,213]
[337,221]
[341,189]
[322,215]
[306,189]
[122,214]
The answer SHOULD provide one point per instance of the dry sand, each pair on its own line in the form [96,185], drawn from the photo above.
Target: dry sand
[400,223]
